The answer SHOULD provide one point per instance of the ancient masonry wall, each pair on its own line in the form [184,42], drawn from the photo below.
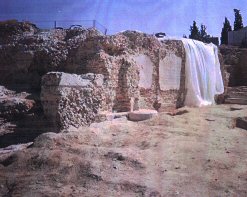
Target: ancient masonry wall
[235,65]
[171,75]
[71,100]
[138,70]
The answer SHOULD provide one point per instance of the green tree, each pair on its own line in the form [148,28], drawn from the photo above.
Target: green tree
[194,31]
[224,33]
[203,34]
[238,23]
[198,35]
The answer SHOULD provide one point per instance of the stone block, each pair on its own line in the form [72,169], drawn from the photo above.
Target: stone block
[143,114]
[70,99]
[241,123]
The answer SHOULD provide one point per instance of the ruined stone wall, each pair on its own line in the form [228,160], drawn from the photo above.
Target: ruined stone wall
[131,71]
[234,60]
[171,75]
[139,57]
[70,99]
[127,90]
[27,53]
[138,71]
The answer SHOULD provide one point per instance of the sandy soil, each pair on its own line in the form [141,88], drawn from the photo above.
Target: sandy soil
[197,152]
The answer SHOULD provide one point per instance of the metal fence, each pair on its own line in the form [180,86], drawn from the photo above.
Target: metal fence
[66,24]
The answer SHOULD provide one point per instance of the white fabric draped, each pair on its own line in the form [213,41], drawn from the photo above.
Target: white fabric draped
[203,74]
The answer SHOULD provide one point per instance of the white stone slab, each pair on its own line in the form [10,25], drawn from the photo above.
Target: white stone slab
[169,72]
[145,66]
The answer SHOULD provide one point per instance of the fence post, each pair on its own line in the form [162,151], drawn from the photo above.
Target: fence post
[55,24]
[94,23]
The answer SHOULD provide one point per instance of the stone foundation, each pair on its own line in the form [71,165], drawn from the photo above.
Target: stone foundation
[71,100]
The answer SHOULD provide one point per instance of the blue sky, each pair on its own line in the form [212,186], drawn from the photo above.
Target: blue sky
[173,17]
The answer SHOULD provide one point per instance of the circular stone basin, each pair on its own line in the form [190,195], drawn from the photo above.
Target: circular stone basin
[142,114]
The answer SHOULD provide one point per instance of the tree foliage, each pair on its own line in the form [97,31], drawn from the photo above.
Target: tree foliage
[194,31]
[224,33]
[238,23]
[198,35]
[203,33]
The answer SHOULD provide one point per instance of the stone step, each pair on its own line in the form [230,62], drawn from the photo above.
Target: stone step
[240,101]
[237,89]
[237,95]
[142,114]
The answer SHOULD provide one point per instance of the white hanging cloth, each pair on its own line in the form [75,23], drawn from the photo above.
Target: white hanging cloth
[202,72]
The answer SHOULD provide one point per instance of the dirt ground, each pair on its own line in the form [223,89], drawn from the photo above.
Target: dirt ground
[196,152]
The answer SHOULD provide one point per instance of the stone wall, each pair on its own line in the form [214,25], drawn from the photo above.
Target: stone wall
[127,90]
[236,38]
[172,75]
[138,71]
[137,57]
[70,99]
[234,60]
[27,53]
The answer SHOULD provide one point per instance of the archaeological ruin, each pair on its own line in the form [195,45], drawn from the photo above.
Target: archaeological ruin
[130,114]
[79,76]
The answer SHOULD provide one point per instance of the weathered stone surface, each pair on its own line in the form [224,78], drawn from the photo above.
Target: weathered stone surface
[21,117]
[9,151]
[27,53]
[140,72]
[236,95]
[142,115]
[70,99]
[12,28]
[14,104]
[235,59]
[234,70]
[145,67]
[241,123]
[129,62]
[170,71]
[173,98]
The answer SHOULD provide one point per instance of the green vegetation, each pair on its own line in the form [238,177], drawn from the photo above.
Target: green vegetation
[199,35]
[238,23]
[194,31]
[224,33]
